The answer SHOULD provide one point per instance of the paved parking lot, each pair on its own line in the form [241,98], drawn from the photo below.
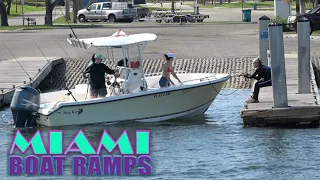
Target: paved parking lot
[187,41]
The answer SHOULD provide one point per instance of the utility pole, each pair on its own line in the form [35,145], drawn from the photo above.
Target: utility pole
[172,6]
[302,7]
[67,10]
[75,10]
[297,8]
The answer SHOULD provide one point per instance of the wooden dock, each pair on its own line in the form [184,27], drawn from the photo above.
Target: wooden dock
[13,76]
[303,109]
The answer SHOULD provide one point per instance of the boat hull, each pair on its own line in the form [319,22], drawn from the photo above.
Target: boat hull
[170,103]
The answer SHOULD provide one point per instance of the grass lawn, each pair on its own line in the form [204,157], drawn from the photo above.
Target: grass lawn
[24,27]
[314,33]
[62,20]
[26,9]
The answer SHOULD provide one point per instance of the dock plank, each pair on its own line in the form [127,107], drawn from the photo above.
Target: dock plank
[302,107]
[11,73]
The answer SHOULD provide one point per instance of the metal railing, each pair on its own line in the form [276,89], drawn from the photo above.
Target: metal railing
[160,73]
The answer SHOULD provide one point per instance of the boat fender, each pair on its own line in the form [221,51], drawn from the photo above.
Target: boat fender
[24,105]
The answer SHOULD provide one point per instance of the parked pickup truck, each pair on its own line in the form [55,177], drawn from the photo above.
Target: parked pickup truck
[313,16]
[107,11]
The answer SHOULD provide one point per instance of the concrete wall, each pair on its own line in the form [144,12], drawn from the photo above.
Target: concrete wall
[282,9]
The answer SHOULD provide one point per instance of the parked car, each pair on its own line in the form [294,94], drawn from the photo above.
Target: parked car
[313,16]
[107,11]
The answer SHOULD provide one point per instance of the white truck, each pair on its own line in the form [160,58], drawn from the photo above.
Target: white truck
[107,11]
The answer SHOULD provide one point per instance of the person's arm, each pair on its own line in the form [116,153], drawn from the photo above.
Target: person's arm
[258,74]
[175,76]
[254,75]
[108,70]
[86,72]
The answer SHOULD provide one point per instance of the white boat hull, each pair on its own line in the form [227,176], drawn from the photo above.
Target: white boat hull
[152,106]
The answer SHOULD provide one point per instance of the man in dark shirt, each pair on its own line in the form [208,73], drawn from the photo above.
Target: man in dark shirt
[263,75]
[97,72]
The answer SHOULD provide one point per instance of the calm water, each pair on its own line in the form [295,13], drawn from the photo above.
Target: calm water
[214,146]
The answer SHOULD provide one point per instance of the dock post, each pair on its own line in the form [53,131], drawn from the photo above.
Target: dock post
[263,39]
[279,85]
[304,84]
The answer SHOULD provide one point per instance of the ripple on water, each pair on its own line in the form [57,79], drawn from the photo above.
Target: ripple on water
[213,146]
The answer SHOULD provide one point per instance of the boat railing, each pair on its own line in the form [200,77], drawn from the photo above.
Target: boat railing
[77,43]
[160,73]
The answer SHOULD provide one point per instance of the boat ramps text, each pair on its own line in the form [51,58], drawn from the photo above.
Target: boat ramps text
[162,95]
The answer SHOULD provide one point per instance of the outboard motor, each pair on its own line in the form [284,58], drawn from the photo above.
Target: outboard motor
[24,106]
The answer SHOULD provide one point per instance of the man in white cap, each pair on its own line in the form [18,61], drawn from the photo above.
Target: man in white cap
[263,75]
[97,72]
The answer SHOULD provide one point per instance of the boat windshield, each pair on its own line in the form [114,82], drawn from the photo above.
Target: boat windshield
[314,10]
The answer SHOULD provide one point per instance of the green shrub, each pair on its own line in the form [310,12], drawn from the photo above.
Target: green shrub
[39,4]
[282,21]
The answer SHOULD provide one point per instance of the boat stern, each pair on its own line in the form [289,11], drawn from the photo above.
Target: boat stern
[43,120]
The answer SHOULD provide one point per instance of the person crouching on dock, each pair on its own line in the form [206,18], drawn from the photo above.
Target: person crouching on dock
[167,69]
[263,75]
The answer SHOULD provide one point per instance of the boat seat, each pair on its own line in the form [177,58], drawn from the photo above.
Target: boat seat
[62,98]
[134,75]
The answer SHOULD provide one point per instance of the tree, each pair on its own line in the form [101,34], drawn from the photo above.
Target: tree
[49,8]
[75,10]
[3,13]
[172,6]
[8,6]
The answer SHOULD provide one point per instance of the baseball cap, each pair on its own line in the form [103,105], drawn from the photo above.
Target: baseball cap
[171,55]
[99,56]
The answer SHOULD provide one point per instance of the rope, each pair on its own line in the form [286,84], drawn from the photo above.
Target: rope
[201,79]
[229,93]
[17,62]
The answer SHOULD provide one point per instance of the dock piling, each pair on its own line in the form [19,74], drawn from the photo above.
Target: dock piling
[279,85]
[263,39]
[303,26]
